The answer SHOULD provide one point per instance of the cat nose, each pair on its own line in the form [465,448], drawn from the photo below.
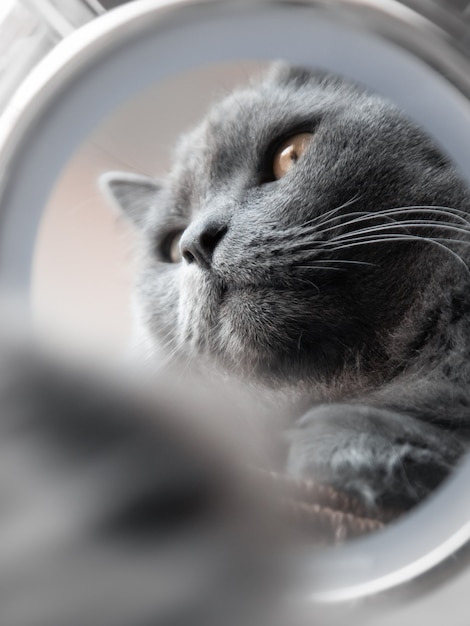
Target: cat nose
[199,241]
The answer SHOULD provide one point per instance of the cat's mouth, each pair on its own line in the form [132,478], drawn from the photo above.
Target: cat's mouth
[260,329]
[249,329]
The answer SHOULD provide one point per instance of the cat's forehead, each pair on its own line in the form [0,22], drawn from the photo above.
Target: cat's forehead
[281,94]
[227,146]
[255,108]
[253,115]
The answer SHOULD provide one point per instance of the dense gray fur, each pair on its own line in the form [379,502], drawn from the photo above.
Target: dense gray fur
[371,333]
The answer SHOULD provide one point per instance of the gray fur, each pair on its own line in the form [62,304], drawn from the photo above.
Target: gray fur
[374,337]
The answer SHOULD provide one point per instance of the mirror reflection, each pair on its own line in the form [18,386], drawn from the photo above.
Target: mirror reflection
[289,234]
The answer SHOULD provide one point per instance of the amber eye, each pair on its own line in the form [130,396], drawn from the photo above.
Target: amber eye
[172,247]
[289,153]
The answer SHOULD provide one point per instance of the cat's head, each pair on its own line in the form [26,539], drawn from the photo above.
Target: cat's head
[254,251]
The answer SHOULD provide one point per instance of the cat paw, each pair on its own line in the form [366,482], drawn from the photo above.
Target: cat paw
[384,458]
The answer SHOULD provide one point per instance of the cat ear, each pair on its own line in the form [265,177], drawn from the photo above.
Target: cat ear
[132,194]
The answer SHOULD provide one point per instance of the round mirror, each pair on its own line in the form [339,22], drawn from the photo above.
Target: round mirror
[370,102]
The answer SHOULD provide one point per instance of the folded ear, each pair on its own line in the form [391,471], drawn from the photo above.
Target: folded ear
[132,194]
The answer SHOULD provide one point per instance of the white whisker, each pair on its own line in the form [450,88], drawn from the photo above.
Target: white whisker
[346,261]
[321,219]
[403,225]
[388,213]
[387,238]
[324,269]
[331,212]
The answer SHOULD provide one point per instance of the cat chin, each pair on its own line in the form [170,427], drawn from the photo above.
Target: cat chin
[241,333]
[259,334]
[254,346]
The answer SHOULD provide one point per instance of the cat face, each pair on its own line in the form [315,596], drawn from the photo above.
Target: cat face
[292,236]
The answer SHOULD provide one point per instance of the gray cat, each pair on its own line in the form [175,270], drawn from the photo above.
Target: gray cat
[313,240]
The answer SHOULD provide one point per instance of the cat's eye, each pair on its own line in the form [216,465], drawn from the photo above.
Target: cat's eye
[289,152]
[171,249]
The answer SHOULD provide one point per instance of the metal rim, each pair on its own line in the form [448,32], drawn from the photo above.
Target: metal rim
[53,112]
